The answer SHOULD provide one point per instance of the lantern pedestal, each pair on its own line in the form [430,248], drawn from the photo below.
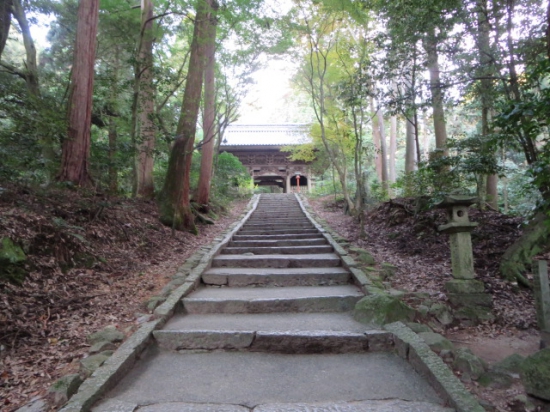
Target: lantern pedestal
[466,294]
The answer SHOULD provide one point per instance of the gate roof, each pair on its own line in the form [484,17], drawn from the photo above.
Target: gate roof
[266,134]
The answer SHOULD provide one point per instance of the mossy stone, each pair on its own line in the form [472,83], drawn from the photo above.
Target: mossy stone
[91,363]
[442,313]
[12,259]
[436,342]
[468,363]
[364,256]
[108,334]
[495,380]
[510,365]
[418,327]
[380,308]
[388,270]
[64,388]
[535,374]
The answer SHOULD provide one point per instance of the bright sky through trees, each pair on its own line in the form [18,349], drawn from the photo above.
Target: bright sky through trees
[266,100]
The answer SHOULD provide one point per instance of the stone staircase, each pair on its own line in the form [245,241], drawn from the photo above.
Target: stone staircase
[271,329]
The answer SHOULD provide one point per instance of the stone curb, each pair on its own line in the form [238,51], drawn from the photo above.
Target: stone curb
[360,278]
[426,363]
[124,358]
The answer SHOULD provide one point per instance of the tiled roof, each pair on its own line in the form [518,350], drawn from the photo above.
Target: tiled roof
[266,134]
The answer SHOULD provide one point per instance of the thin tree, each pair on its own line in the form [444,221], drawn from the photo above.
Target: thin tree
[436,89]
[76,147]
[209,112]
[145,186]
[174,199]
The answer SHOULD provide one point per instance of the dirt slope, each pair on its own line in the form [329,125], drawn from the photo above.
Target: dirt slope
[93,261]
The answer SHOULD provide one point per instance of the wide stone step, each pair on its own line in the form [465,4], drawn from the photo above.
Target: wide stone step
[229,381]
[277,250]
[278,231]
[278,332]
[277,226]
[268,300]
[276,221]
[279,213]
[313,235]
[274,322]
[240,277]
[277,261]
[312,341]
[274,242]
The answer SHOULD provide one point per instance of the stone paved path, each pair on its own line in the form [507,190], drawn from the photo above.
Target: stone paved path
[271,330]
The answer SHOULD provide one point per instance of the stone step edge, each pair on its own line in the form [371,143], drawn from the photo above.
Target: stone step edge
[314,341]
[360,278]
[322,304]
[276,279]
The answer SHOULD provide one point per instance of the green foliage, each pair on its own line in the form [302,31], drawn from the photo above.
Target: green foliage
[231,179]
[29,128]
[523,125]
[433,179]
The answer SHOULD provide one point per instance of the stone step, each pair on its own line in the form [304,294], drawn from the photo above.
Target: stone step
[278,332]
[313,235]
[268,300]
[278,231]
[311,341]
[277,261]
[229,381]
[277,242]
[240,277]
[282,321]
[276,221]
[278,212]
[277,250]
[277,226]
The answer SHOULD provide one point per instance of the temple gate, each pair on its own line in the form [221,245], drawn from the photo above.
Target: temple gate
[258,147]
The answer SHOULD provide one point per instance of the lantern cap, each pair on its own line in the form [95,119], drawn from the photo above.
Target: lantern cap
[457,200]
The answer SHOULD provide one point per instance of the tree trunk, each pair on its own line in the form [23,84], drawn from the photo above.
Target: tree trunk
[485,87]
[376,141]
[174,200]
[209,112]
[410,147]
[145,186]
[31,72]
[383,150]
[76,147]
[5,22]
[440,129]
[393,149]
[113,169]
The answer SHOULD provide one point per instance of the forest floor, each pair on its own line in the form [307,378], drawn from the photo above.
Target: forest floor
[93,261]
[412,243]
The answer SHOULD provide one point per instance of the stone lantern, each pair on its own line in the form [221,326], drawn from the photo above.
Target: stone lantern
[465,293]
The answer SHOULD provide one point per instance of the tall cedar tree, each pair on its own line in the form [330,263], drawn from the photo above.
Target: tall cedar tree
[76,147]
[174,199]
[144,163]
[209,112]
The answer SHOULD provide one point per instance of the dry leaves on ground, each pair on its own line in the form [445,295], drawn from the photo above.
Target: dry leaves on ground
[93,261]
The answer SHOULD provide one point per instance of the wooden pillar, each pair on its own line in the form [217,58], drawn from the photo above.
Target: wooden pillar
[287,187]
